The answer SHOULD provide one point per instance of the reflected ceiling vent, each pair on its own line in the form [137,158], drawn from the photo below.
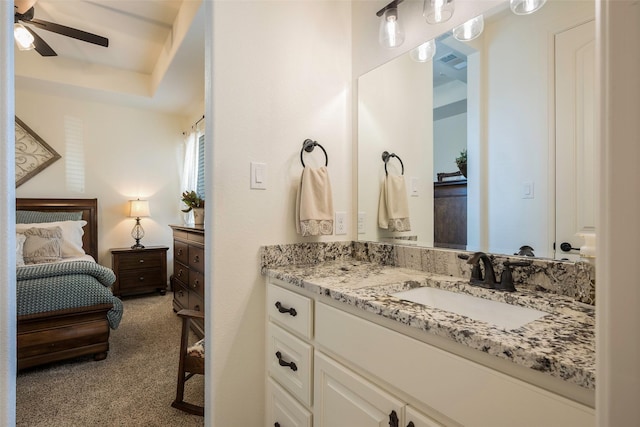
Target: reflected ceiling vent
[454,61]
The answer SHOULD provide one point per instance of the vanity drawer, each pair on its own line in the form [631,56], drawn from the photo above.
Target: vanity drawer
[284,409]
[289,362]
[281,302]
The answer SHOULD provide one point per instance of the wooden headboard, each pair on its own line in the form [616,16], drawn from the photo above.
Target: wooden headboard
[88,207]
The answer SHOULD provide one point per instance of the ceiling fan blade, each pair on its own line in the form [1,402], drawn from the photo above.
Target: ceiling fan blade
[71,32]
[41,46]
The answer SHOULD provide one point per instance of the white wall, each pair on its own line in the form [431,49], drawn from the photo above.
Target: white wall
[128,153]
[281,74]
[450,138]
[394,115]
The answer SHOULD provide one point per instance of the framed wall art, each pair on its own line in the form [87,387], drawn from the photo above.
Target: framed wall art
[33,155]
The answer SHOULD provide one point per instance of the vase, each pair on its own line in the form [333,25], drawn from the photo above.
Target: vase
[198,216]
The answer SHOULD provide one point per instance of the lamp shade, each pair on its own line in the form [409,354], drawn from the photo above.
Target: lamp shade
[139,208]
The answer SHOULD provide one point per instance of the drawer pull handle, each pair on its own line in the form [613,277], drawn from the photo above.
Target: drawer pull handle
[179,252]
[141,261]
[195,283]
[292,311]
[180,273]
[394,421]
[141,278]
[291,365]
[196,258]
[196,307]
[181,293]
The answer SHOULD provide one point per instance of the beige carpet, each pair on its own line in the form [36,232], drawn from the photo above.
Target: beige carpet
[133,386]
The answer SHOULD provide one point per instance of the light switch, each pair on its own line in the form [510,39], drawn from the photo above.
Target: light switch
[258,176]
[414,186]
[528,190]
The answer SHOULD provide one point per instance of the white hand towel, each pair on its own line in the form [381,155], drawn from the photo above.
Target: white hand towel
[393,208]
[314,204]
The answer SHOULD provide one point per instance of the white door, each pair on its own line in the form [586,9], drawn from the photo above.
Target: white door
[575,138]
[344,399]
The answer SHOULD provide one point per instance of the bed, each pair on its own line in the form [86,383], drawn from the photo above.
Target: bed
[65,309]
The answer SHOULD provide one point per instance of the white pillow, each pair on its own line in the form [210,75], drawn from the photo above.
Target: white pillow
[72,233]
[20,238]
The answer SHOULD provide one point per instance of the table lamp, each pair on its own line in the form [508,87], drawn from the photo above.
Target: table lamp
[138,208]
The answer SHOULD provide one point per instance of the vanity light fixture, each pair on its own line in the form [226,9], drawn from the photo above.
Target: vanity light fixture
[437,11]
[425,52]
[24,39]
[391,33]
[137,209]
[525,7]
[469,30]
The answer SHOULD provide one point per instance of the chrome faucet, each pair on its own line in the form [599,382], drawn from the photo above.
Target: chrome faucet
[489,279]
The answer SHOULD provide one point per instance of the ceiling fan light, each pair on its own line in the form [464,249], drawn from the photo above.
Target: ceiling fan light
[24,39]
[525,7]
[469,30]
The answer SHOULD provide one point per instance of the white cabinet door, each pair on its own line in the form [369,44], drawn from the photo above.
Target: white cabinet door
[344,399]
[418,419]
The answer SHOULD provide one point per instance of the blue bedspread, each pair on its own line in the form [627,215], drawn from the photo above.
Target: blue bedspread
[58,286]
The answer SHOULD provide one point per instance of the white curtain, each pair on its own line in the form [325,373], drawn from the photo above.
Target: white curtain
[190,170]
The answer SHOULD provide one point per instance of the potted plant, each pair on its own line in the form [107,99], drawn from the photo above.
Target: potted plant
[195,203]
[461,161]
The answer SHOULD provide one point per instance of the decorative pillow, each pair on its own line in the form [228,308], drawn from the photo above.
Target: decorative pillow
[31,217]
[72,233]
[42,245]
[20,238]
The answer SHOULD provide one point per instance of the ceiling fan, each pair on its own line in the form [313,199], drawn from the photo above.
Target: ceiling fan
[24,11]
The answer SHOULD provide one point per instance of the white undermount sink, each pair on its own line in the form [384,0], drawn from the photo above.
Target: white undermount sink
[500,314]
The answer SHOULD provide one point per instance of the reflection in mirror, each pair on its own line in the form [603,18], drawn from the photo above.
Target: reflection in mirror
[519,100]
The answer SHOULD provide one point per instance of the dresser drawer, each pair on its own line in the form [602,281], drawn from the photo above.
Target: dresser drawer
[181,273]
[181,252]
[289,362]
[141,278]
[196,283]
[143,259]
[180,294]
[291,310]
[196,258]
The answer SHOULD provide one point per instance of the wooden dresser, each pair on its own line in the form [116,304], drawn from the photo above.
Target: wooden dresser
[450,214]
[188,281]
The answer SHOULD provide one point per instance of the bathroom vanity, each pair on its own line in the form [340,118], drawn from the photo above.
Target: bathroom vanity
[342,350]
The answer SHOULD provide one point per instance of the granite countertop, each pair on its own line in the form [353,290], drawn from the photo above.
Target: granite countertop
[561,344]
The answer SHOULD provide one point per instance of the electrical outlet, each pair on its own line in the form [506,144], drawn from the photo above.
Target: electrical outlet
[362,220]
[341,223]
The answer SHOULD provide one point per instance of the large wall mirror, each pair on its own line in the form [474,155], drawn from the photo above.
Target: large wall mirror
[519,101]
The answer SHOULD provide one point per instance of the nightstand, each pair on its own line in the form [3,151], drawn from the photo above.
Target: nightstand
[139,270]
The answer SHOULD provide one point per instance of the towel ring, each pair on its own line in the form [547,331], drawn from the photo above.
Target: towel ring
[385,158]
[308,146]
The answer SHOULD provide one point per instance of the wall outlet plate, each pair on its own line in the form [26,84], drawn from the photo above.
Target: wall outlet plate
[340,223]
